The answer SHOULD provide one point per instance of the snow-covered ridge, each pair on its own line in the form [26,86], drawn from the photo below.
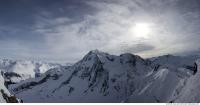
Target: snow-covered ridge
[190,92]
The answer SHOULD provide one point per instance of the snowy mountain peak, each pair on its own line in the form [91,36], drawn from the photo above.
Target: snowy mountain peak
[129,56]
[97,53]
[110,78]
[105,57]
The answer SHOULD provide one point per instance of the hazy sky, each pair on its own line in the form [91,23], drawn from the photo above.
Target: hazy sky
[65,30]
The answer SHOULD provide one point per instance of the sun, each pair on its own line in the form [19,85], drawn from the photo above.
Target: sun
[141,30]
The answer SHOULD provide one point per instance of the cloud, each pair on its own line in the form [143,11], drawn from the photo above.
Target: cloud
[68,32]
[108,29]
[138,48]
[94,32]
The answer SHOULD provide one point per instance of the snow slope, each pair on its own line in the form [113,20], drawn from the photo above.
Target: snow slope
[190,92]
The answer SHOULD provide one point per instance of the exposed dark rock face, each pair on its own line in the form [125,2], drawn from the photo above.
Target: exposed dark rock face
[195,68]
[8,75]
[9,99]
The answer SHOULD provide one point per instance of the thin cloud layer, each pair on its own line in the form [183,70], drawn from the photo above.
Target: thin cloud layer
[67,35]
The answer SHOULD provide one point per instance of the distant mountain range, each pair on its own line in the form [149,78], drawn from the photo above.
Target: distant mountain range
[101,77]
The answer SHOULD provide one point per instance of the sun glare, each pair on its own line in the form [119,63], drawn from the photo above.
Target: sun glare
[141,30]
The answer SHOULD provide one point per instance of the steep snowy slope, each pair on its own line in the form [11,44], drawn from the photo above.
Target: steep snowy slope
[174,62]
[165,84]
[161,86]
[190,92]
